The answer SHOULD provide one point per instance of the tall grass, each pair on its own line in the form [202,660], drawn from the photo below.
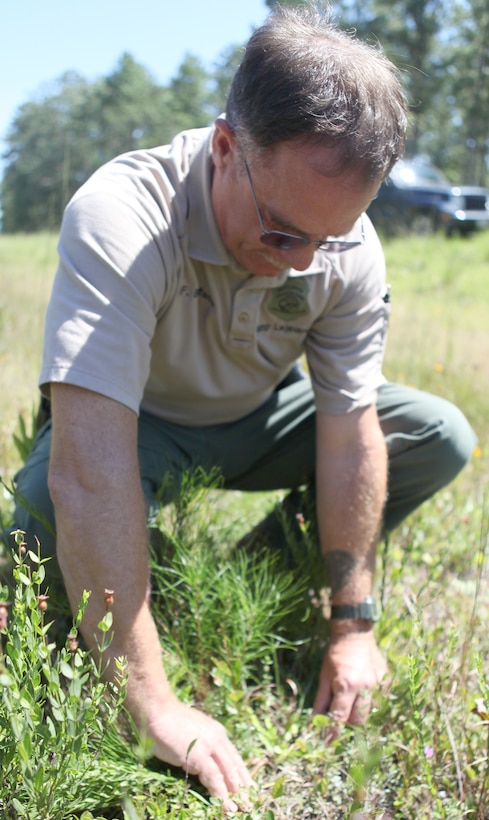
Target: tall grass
[27,265]
[243,636]
[440,302]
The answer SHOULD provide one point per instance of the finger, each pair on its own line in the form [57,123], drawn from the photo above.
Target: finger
[228,772]
[360,710]
[341,710]
[322,700]
[211,776]
[233,767]
[342,705]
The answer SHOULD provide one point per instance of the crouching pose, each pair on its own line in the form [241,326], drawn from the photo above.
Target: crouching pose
[192,277]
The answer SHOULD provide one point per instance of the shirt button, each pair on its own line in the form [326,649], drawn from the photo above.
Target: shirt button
[244,317]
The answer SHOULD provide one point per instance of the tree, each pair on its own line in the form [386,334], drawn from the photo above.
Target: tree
[191,96]
[47,157]
[127,109]
[224,71]
[407,31]
[469,52]
[56,142]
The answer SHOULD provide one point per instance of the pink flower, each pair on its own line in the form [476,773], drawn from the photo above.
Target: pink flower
[4,614]
[429,751]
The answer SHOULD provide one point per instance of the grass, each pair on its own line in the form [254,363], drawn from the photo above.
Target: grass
[27,265]
[243,636]
[438,337]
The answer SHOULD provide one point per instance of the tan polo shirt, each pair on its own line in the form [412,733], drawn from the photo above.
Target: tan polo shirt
[149,309]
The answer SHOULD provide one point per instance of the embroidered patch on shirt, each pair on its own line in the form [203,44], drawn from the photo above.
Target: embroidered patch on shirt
[289,301]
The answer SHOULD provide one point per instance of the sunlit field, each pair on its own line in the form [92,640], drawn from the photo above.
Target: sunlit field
[243,634]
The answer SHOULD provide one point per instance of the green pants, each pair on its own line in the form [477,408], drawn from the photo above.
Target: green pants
[428,442]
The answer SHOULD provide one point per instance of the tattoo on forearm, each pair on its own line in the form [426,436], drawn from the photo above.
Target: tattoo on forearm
[339,567]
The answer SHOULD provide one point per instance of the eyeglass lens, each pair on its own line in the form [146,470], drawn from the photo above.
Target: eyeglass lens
[287,242]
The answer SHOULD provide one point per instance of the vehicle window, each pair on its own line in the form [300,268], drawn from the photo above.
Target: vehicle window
[407,174]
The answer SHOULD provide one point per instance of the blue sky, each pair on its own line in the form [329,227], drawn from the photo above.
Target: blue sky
[43,38]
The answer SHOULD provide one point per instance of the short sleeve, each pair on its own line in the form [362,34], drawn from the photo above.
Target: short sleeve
[345,345]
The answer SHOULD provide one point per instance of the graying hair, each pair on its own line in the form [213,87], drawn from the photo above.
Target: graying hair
[301,77]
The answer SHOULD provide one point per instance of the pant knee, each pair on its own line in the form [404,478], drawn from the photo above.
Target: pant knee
[429,442]
[456,441]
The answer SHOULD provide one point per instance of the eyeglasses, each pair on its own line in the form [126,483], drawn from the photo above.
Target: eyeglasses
[282,241]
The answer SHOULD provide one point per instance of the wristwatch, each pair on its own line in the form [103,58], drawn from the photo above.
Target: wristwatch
[369,610]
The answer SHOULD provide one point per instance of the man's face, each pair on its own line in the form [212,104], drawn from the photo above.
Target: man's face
[294,194]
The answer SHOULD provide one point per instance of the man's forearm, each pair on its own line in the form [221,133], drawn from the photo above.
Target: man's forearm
[349,525]
[351,487]
[101,528]
[108,551]
[180,735]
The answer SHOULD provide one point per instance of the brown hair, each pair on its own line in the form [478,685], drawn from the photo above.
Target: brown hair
[302,77]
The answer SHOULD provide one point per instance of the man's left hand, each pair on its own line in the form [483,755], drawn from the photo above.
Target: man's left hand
[352,667]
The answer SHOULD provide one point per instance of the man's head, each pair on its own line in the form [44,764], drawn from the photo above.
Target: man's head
[315,120]
[302,79]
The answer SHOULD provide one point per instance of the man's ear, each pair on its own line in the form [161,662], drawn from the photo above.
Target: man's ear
[223,143]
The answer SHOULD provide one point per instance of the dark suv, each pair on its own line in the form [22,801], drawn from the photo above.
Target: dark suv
[417,197]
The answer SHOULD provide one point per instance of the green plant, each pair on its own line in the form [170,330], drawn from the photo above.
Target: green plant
[222,615]
[24,438]
[57,715]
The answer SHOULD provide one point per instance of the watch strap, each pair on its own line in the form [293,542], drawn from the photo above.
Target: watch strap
[368,610]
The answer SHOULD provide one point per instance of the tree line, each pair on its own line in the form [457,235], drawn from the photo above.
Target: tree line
[56,141]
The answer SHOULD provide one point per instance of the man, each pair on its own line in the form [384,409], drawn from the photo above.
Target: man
[191,279]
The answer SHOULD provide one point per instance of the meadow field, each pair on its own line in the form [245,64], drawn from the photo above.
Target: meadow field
[243,634]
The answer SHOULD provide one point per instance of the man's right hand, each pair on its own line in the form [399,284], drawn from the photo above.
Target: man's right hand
[184,736]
